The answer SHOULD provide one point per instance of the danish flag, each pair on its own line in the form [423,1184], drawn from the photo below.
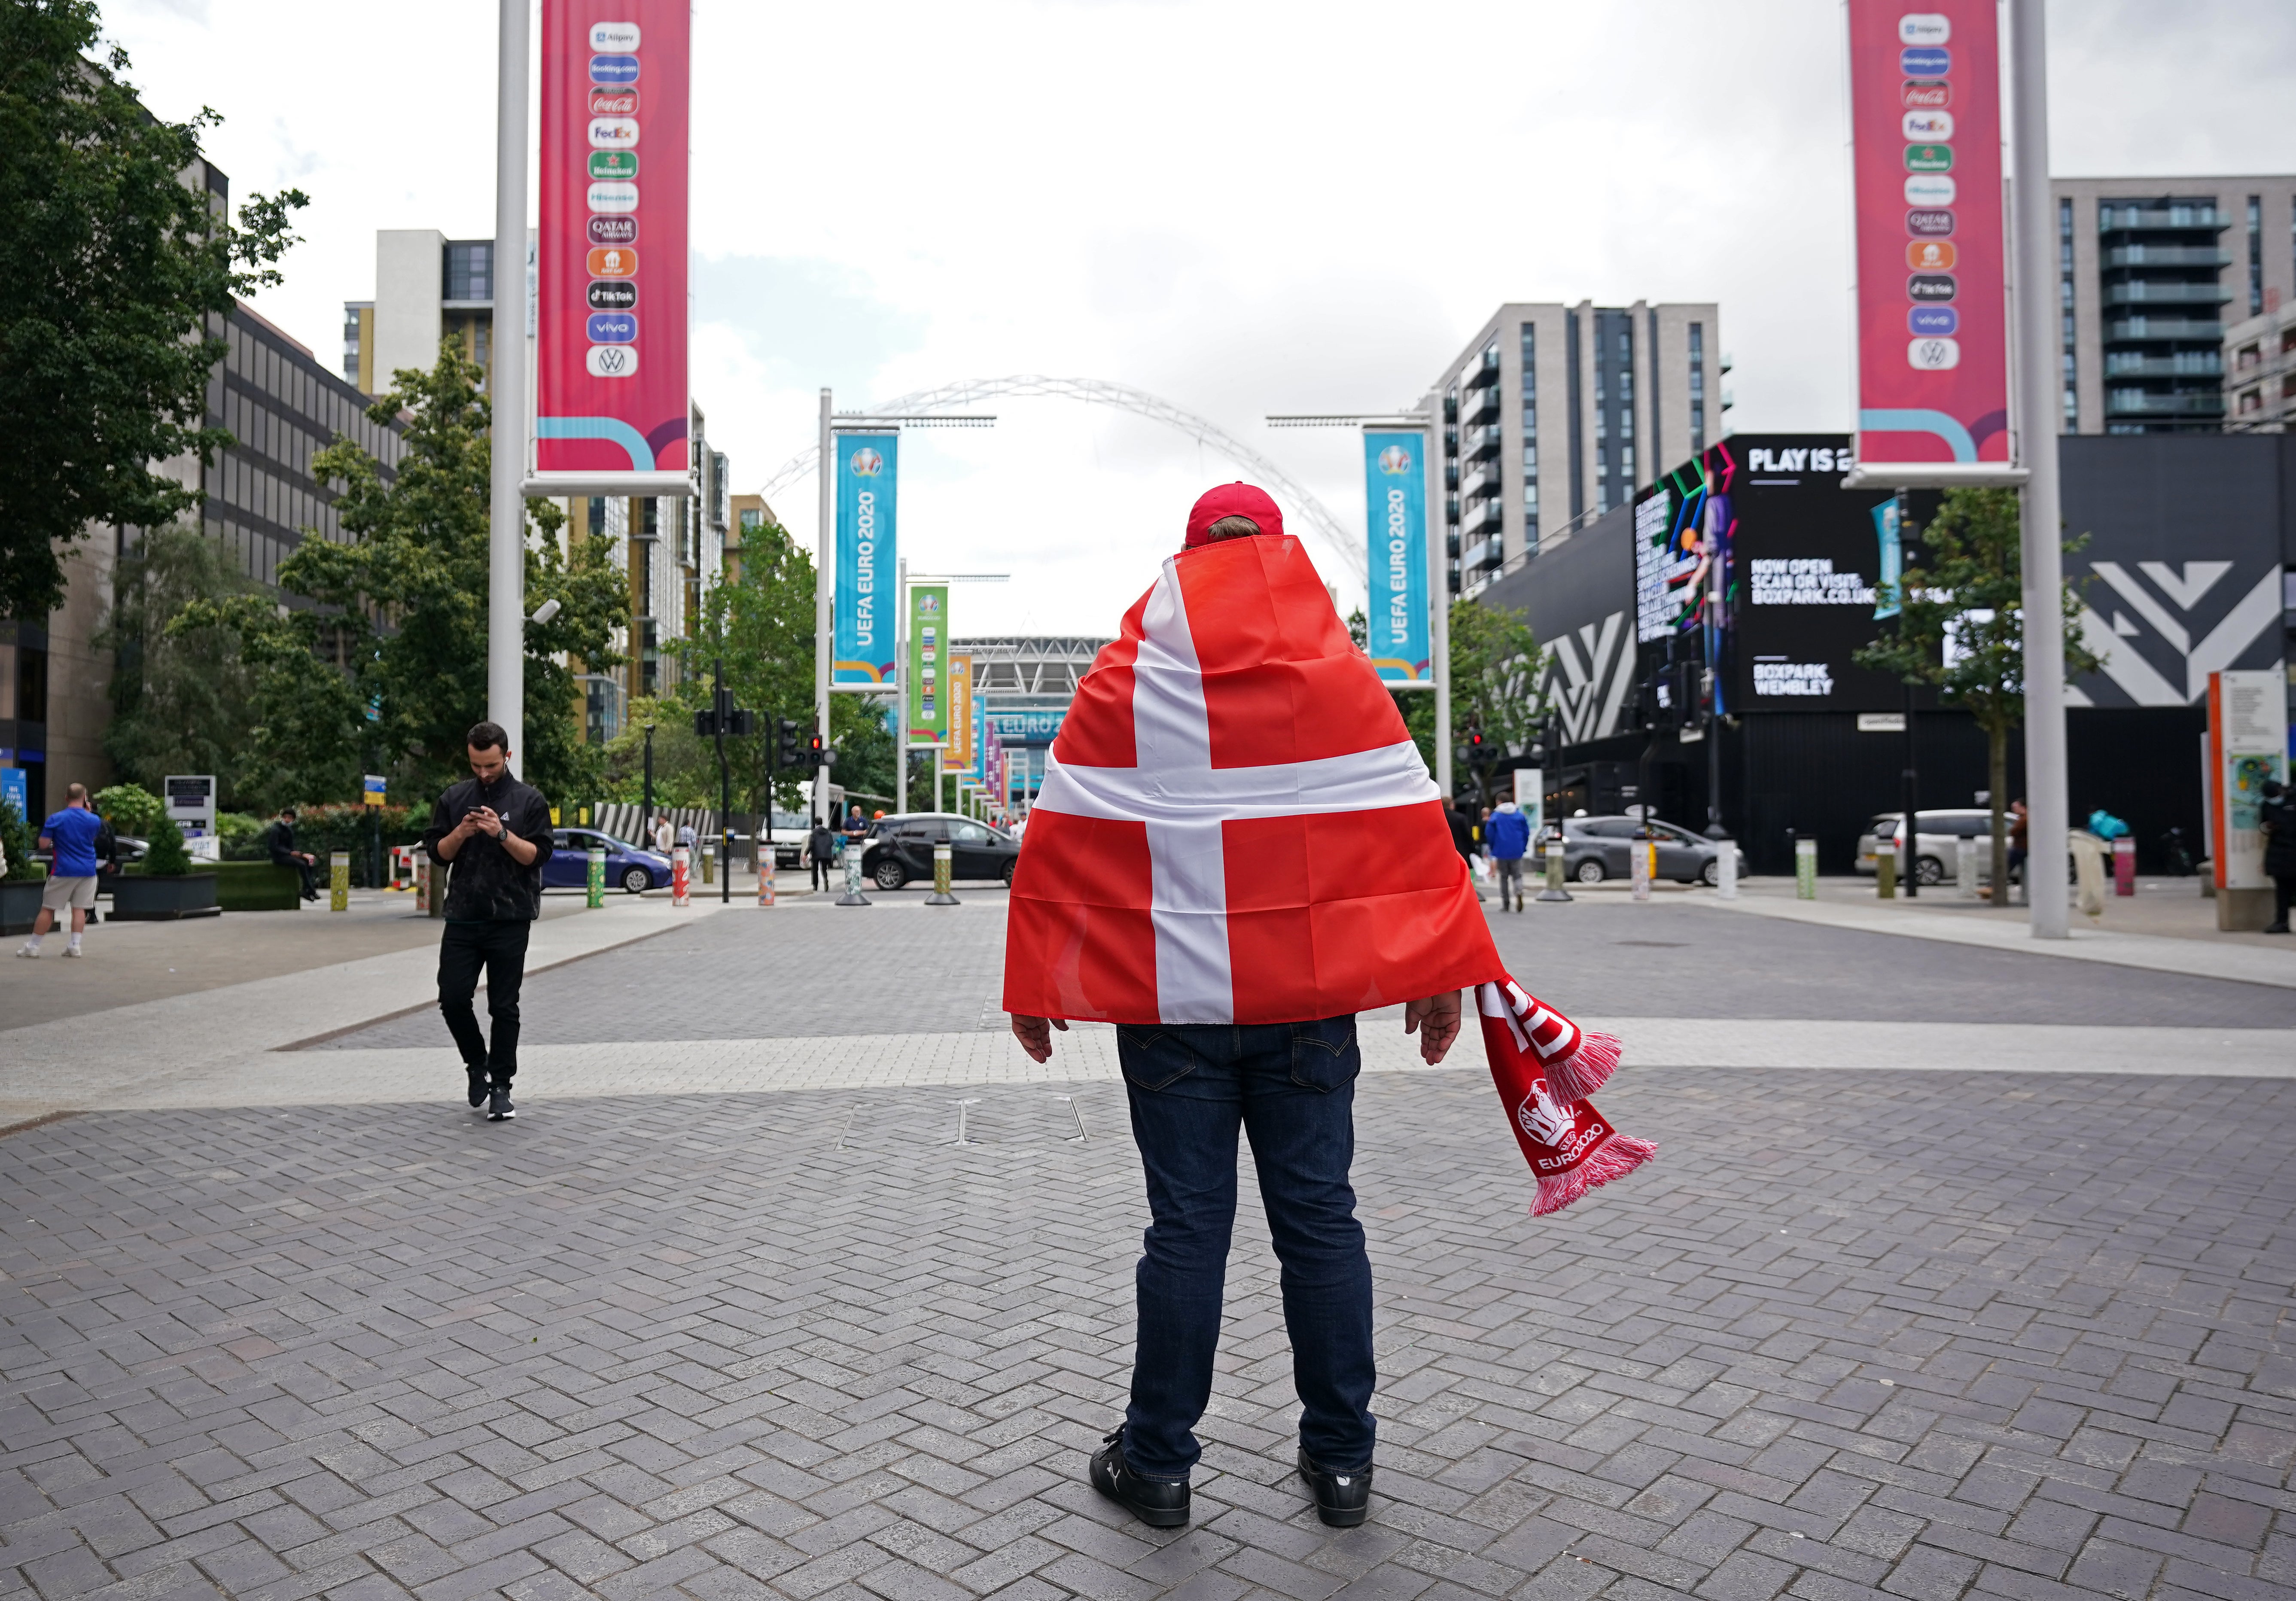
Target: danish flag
[1235,827]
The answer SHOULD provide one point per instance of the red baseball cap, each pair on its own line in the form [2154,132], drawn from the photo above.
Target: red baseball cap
[1238,500]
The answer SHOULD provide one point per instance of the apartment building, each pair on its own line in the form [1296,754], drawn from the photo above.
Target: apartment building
[2260,371]
[1553,415]
[2151,271]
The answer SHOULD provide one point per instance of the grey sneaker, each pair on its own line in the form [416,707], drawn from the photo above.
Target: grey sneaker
[498,1107]
[30,953]
[73,952]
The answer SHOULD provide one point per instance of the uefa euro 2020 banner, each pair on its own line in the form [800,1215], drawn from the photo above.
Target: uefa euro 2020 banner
[1932,304]
[866,565]
[927,690]
[1395,508]
[611,407]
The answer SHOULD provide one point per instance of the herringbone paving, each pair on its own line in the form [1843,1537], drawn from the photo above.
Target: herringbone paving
[1905,1334]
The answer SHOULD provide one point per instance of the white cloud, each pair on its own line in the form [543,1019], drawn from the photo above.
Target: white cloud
[1242,207]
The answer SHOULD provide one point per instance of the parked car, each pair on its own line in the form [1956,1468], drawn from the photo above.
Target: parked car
[569,866]
[1937,841]
[1595,849]
[791,829]
[900,848]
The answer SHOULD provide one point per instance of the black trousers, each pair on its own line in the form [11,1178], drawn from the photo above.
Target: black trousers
[500,947]
[2285,897]
[820,872]
[308,871]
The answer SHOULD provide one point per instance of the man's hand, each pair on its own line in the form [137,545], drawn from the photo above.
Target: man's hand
[1035,1034]
[1435,1020]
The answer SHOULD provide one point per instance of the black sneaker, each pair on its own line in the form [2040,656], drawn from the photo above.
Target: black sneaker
[477,1076]
[1342,1500]
[498,1107]
[1158,1503]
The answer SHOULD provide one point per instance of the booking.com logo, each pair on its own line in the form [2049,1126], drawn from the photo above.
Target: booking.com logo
[867,462]
[1395,461]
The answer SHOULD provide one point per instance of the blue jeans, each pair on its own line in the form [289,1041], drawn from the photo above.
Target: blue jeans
[1292,1085]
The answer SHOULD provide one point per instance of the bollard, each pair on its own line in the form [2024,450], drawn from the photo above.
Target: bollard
[1965,869]
[766,879]
[681,877]
[338,882]
[1642,857]
[596,881]
[1550,851]
[1885,872]
[1805,867]
[853,896]
[2124,865]
[943,868]
[709,866]
[422,886]
[1725,869]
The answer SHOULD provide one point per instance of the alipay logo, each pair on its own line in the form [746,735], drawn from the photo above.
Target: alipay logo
[1395,461]
[867,462]
[614,35]
[1924,28]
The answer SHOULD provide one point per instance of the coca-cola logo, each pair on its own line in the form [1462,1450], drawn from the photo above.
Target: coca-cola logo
[619,102]
[1915,94]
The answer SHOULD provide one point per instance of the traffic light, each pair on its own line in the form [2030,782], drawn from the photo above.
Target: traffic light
[1477,752]
[789,752]
[705,724]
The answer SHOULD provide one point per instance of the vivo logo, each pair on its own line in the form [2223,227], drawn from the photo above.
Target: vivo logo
[1914,125]
[622,36]
[1937,321]
[1928,189]
[613,361]
[1924,28]
[611,328]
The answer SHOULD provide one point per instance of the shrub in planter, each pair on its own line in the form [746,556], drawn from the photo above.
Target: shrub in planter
[164,885]
[22,881]
[130,808]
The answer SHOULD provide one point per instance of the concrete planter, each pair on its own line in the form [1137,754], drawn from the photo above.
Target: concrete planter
[19,905]
[139,898]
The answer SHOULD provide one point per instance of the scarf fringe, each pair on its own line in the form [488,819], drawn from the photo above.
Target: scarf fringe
[1617,1157]
[1585,1069]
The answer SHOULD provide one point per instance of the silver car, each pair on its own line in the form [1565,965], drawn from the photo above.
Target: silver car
[1937,846]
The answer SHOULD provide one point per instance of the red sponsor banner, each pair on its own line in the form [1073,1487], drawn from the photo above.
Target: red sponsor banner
[610,389]
[1932,305]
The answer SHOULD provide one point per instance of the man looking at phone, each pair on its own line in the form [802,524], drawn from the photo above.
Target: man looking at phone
[495,833]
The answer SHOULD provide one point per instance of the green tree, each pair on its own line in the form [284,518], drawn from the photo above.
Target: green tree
[17,843]
[1496,662]
[389,662]
[181,703]
[120,273]
[1960,629]
[130,808]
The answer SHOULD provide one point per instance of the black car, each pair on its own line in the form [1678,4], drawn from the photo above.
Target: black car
[900,848]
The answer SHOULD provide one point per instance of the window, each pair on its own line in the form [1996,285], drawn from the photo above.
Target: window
[469,270]
[1697,388]
[1530,436]
[2071,400]
[2255,254]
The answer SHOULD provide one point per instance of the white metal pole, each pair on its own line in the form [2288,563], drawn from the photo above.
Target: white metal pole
[1439,598]
[825,539]
[506,390]
[2034,231]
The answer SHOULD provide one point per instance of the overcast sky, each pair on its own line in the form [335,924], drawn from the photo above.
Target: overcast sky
[1240,207]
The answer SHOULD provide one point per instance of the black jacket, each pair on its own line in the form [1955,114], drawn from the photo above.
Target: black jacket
[2280,845]
[282,844]
[823,845]
[486,885]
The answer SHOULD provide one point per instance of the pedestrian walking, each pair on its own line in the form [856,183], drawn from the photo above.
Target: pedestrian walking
[2018,821]
[2278,818]
[1508,836]
[821,849]
[283,853]
[1228,1024]
[69,838]
[495,833]
[665,837]
[685,836]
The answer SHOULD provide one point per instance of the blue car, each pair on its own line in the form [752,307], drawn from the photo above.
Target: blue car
[569,866]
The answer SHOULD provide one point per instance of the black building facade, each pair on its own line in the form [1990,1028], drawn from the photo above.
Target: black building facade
[1754,712]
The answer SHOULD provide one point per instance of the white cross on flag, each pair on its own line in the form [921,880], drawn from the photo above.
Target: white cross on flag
[1235,826]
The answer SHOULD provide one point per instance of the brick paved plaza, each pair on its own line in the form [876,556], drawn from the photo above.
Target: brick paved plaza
[1922,1333]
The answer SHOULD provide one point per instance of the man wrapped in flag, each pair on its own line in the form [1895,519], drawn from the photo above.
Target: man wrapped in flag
[1236,848]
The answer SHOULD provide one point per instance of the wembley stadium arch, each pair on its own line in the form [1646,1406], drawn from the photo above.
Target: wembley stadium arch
[1344,547]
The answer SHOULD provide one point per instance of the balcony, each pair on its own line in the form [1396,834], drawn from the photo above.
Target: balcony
[2165,255]
[1482,371]
[2122,216]
[1487,552]
[1478,406]
[2163,327]
[1483,517]
[1480,444]
[1483,480]
[2145,291]
[2189,363]
[2144,403]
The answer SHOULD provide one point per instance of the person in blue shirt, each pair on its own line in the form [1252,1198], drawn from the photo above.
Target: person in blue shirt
[69,837]
[1508,836]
